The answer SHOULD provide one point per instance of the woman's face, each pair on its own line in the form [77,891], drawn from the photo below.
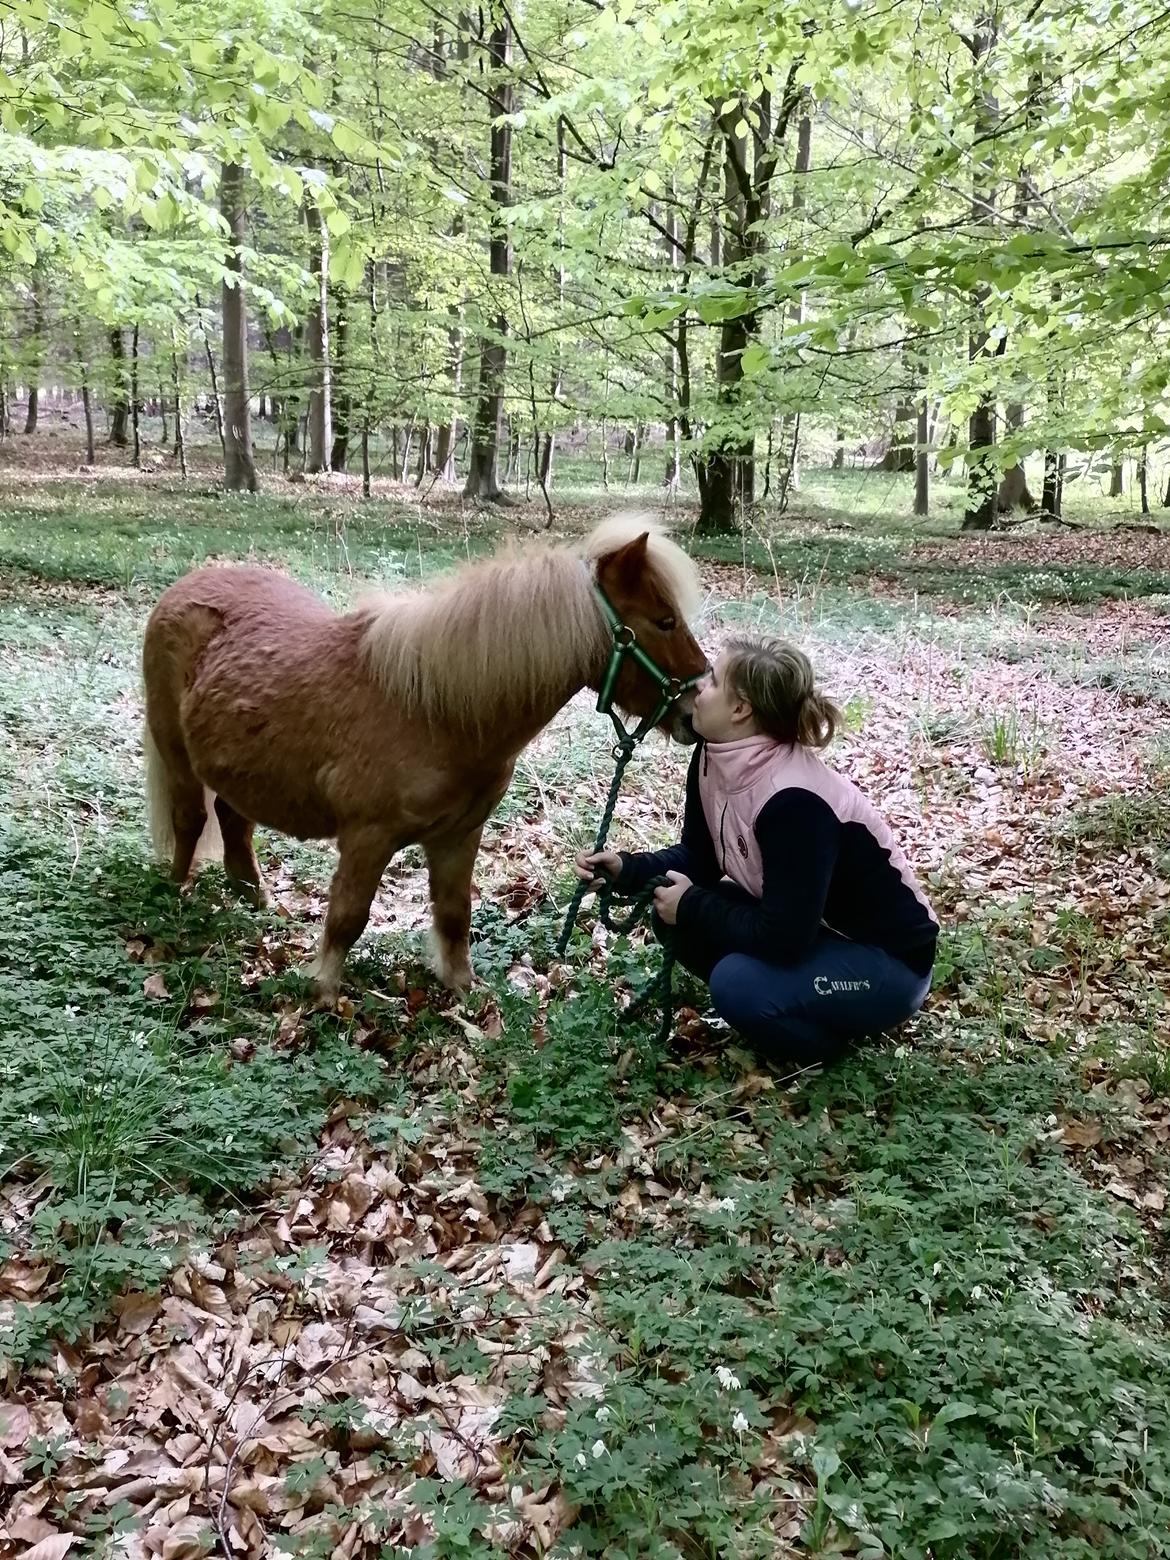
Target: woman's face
[720,715]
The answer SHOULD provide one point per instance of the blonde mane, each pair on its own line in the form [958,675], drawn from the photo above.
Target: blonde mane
[514,632]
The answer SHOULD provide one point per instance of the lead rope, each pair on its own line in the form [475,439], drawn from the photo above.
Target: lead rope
[659,988]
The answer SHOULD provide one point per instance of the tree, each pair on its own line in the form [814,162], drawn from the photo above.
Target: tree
[483,476]
[239,465]
[120,408]
[317,334]
[981,485]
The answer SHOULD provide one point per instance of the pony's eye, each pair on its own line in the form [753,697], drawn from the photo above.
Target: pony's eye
[666,624]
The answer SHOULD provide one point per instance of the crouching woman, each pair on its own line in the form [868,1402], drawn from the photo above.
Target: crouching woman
[787,893]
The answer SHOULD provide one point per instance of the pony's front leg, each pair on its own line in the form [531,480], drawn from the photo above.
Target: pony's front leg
[364,855]
[450,862]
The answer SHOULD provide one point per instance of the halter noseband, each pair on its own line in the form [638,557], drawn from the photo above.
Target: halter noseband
[624,644]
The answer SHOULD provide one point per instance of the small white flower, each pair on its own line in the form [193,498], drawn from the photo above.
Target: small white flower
[739,1423]
[582,1460]
[723,1205]
[603,1413]
[936,1269]
[599,1448]
[977,1292]
[728,1380]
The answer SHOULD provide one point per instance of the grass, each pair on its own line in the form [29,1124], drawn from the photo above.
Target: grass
[894,1309]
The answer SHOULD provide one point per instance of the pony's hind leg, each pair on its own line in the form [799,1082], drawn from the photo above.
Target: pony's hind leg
[364,856]
[450,863]
[188,807]
[239,856]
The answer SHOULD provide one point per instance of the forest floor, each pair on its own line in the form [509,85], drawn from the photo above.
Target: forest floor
[505,1276]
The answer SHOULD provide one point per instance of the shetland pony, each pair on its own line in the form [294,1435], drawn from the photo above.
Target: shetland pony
[398,723]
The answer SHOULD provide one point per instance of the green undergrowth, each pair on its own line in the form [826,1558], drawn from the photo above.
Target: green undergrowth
[884,1303]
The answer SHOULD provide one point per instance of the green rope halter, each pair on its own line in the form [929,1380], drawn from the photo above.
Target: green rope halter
[670,689]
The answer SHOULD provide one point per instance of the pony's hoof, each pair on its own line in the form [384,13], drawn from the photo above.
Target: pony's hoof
[326,991]
[458,977]
[252,893]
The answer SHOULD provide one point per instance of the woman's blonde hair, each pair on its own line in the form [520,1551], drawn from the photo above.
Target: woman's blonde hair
[777,680]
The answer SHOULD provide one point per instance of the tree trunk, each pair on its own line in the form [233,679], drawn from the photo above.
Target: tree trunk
[135,400]
[426,454]
[981,481]
[483,481]
[239,464]
[120,410]
[286,411]
[727,485]
[922,460]
[368,406]
[213,379]
[343,404]
[86,404]
[176,385]
[544,447]
[445,446]
[839,451]
[900,455]
[165,431]
[1013,486]
[317,334]
[1014,492]
[36,360]
[672,471]
[1117,479]
[1143,476]
[1052,498]
[448,433]
[790,422]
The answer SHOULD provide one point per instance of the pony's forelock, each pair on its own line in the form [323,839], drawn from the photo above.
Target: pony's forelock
[675,572]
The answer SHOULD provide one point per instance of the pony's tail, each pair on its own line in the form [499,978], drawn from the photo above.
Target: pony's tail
[160,809]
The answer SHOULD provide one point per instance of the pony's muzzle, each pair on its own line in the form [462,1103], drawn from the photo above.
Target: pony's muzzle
[679,723]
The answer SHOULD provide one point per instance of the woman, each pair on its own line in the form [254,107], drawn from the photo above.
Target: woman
[787,893]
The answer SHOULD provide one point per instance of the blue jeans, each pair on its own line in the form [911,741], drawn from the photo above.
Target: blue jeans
[809,1012]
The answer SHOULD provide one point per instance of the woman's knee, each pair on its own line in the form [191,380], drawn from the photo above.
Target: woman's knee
[735,993]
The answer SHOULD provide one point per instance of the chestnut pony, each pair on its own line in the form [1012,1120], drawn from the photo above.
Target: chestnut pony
[400,722]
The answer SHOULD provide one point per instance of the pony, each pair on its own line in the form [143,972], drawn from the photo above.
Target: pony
[401,721]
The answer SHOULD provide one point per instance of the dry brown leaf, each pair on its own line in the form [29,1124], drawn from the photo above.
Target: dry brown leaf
[185,1540]
[1081,1134]
[14,1424]
[31,1530]
[54,1548]
[156,987]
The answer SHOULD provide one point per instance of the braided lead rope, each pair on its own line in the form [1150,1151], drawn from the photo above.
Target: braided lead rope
[659,987]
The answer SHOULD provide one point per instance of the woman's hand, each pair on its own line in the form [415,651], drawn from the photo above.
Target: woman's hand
[598,867]
[666,899]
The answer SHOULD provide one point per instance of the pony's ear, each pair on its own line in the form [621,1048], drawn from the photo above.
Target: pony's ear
[628,563]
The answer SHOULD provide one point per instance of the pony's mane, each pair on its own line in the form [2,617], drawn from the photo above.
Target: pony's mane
[513,632]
